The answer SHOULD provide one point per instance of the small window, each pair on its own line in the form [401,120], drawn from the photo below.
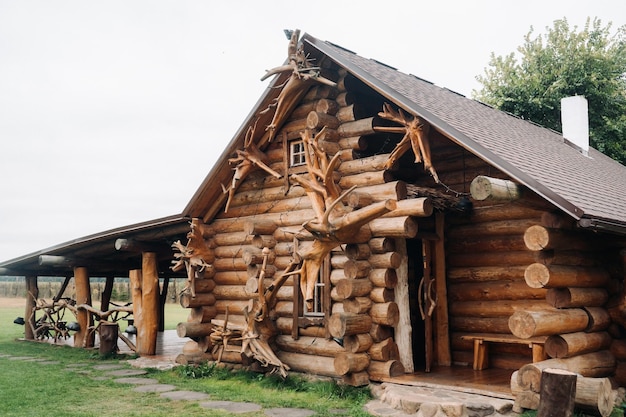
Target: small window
[296,153]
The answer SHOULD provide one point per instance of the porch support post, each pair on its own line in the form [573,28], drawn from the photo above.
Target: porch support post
[403,330]
[442,333]
[32,293]
[83,337]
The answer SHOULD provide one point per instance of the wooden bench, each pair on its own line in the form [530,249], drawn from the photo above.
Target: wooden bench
[481,346]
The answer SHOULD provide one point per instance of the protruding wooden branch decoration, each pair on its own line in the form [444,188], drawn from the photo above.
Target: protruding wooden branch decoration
[415,136]
[246,161]
[302,75]
[194,257]
[335,223]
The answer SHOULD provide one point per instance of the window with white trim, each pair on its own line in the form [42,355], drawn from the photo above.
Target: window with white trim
[296,153]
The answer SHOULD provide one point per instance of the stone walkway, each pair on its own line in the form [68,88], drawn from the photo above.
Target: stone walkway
[121,373]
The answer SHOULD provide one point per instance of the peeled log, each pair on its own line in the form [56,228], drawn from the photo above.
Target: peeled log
[188,329]
[357,343]
[385,260]
[494,189]
[318,365]
[572,344]
[525,324]
[382,295]
[384,351]
[357,379]
[416,207]
[594,365]
[599,319]
[385,277]
[349,288]
[399,227]
[344,324]
[202,314]
[356,269]
[379,371]
[346,363]
[200,300]
[357,304]
[385,313]
[576,297]
[542,238]
[309,345]
[538,275]
[494,291]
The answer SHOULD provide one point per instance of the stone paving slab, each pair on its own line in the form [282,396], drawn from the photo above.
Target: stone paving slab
[127,372]
[185,395]
[154,388]
[231,406]
[20,358]
[288,412]
[108,367]
[136,381]
[47,362]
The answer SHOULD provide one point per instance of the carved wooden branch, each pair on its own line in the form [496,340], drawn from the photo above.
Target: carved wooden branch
[246,161]
[302,75]
[415,136]
[194,257]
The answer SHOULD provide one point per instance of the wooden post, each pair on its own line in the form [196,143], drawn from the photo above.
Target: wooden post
[403,329]
[495,189]
[442,335]
[109,332]
[147,332]
[558,390]
[83,337]
[32,293]
[162,301]
[105,300]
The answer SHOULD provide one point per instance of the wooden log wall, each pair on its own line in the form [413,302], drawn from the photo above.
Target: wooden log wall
[268,212]
[511,271]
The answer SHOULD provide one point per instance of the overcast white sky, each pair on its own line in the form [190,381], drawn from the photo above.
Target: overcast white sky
[113,112]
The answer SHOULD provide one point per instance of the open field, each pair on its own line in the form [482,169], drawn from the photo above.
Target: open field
[29,388]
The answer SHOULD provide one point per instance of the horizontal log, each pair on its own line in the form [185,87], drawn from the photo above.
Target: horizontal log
[317,120]
[236,239]
[365,178]
[539,237]
[356,269]
[593,365]
[347,362]
[494,291]
[488,244]
[480,324]
[357,343]
[488,259]
[327,106]
[259,227]
[525,324]
[345,324]
[204,285]
[349,288]
[384,277]
[382,244]
[354,111]
[570,258]
[384,350]
[233,306]
[494,189]
[380,332]
[254,256]
[346,98]
[356,305]
[232,292]
[500,308]
[382,295]
[192,330]
[491,228]
[387,314]
[368,164]
[358,127]
[599,319]
[538,275]
[397,227]
[231,277]
[355,143]
[202,314]
[572,344]
[357,251]
[275,206]
[263,241]
[229,264]
[356,379]
[310,364]
[200,300]
[576,297]
[285,327]
[309,345]
[483,274]
[380,371]
[385,260]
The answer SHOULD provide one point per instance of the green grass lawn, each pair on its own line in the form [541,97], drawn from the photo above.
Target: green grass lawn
[33,389]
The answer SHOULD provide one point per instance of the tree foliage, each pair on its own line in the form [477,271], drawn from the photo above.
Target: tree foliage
[561,63]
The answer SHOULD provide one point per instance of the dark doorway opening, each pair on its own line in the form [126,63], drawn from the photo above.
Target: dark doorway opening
[415,275]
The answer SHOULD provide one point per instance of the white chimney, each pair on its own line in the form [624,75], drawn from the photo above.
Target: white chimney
[575,122]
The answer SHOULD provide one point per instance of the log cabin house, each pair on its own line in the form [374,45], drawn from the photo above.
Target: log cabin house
[371,225]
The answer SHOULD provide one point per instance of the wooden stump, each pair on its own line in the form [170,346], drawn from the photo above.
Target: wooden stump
[558,390]
[108,338]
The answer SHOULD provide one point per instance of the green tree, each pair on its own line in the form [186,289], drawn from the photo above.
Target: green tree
[565,62]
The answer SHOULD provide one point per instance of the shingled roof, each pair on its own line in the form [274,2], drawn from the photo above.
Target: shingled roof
[592,188]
